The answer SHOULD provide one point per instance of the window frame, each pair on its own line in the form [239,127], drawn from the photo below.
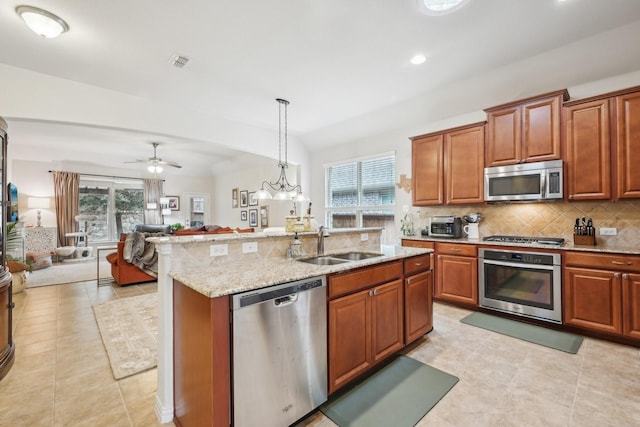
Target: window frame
[359,208]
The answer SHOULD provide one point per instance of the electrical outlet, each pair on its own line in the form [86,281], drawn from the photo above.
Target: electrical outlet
[608,231]
[364,237]
[249,247]
[219,250]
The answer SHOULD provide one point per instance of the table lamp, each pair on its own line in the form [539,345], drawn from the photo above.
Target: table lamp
[38,203]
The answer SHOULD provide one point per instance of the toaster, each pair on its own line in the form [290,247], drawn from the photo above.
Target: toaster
[446,226]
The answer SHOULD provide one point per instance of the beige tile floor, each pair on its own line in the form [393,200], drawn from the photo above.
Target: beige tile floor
[62,377]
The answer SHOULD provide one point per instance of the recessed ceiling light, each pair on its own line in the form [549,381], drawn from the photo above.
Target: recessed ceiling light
[418,59]
[440,7]
[43,23]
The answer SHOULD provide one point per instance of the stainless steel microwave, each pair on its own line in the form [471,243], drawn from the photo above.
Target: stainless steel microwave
[524,181]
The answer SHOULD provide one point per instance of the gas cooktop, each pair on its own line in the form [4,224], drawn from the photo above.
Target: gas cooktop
[553,241]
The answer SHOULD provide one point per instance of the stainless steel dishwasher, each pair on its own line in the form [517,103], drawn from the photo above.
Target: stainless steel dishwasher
[279,353]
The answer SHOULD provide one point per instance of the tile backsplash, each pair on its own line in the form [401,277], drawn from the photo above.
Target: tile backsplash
[549,219]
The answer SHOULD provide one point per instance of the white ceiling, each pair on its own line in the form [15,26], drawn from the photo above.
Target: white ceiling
[344,65]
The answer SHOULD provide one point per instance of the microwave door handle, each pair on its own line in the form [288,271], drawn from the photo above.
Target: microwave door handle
[543,184]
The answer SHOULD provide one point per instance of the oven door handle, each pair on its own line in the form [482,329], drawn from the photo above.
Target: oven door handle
[515,264]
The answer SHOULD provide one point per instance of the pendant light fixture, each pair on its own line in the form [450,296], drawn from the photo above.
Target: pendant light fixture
[283,189]
[43,23]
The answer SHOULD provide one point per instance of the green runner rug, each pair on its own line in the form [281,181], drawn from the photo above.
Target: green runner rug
[398,395]
[558,340]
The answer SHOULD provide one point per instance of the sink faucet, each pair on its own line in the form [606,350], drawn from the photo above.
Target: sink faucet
[322,233]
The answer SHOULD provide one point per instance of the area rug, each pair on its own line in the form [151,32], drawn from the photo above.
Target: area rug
[62,272]
[398,395]
[129,329]
[558,340]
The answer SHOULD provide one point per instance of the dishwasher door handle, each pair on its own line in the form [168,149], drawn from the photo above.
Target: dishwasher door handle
[289,299]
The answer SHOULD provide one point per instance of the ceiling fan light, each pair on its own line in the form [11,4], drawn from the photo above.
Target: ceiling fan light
[154,168]
[43,23]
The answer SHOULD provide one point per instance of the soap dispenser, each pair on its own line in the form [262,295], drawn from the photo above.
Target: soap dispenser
[296,247]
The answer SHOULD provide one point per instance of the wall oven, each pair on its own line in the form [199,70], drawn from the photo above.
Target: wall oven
[521,282]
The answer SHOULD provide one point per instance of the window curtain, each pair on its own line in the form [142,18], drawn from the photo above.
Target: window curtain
[66,188]
[152,193]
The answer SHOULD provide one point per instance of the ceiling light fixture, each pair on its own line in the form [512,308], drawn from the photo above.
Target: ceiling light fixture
[418,59]
[283,189]
[43,23]
[440,7]
[154,168]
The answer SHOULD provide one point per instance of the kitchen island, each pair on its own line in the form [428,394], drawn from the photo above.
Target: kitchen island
[208,281]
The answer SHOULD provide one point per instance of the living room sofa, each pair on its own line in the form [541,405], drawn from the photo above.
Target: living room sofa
[125,273]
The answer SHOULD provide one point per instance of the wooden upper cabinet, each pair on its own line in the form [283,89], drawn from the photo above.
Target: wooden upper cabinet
[588,151]
[525,131]
[427,157]
[447,166]
[464,166]
[628,154]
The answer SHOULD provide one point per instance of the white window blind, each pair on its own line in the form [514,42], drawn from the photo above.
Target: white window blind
[361,193]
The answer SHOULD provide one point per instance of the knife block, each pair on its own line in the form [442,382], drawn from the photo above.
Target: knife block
[584,240]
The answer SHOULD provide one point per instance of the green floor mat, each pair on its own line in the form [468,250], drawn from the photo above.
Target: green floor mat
[558,340]
[398,395]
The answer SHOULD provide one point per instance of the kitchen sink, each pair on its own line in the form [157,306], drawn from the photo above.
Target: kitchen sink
[356,256]
[324,260]
[340,258]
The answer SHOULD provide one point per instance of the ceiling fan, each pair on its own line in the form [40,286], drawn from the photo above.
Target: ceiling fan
[155,163]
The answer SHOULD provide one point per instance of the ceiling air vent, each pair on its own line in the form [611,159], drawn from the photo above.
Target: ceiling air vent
[179,61]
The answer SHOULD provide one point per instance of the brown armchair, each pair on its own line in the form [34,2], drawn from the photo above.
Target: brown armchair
[123,272]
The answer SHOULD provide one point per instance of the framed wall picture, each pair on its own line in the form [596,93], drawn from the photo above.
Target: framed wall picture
[243,215]
[252,199]
[234,197]
[174,202]
[244,198]
[253,217]
[264,216]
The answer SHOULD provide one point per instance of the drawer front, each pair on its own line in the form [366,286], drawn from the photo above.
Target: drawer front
[604,261]
[417,264]
[418,244]
[456,249]
[366,277]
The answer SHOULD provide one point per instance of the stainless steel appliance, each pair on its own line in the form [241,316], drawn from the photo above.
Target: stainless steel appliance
[525,181]
[521,282]
[552,241]
[279,353]
[445,226]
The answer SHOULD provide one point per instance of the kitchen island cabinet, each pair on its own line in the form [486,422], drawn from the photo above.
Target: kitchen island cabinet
[523,131]
[365,320]
[418,297]
[447,166]
[601,293]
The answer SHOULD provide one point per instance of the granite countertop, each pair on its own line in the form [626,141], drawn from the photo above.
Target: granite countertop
[231,278]
[250,236]
[567,246]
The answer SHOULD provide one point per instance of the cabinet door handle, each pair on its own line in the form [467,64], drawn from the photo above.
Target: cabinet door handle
[456,250]
[617,263]
[616,275]
[371,293]
[625,276]
[418,264]
[570,196]
[12,305]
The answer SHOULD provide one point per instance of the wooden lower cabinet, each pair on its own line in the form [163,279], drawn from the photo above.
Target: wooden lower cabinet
[593,299]
[418,309]
[602,293]
[202,358]
[364,328]
[631,305]
[457,273]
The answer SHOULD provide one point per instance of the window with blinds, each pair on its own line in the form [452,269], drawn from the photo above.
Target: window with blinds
[361,193]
